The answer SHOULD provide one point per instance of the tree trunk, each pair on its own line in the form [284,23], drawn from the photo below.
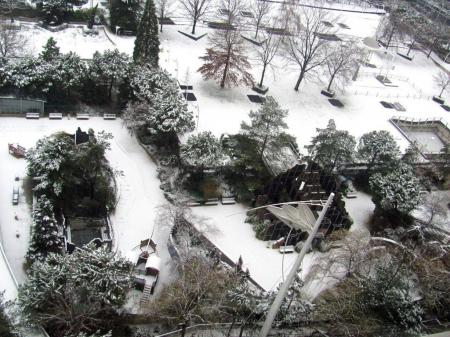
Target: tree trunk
[442,91]
[161,24]
[241,330]
[331,81]
[410,47]
[431,48]
[256,33]
[262,75]
[225,71]
[300,79]
[390,38]
[193,27]
[232,325]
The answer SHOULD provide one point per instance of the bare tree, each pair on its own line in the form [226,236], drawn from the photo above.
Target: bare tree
[267,51]
[163,10]
[195,9]
[259,9]
[225,59]
[341,62]
[442,79]
[195,296]
[11,41]
[433,207]
[305,46]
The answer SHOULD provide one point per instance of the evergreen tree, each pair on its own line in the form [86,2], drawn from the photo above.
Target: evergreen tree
[331,147]
[202,151]
[377,147]
[45,237]
[157,105]
[6,327]
[397,191]
[146,45]
[80,292]
[266,124]
[50,51]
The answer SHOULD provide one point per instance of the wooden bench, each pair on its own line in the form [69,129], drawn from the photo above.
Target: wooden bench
[228,201]
[286,249]
[193,204]
[32,115]
[109,116]
[212,202]
[83,116]
[55,115]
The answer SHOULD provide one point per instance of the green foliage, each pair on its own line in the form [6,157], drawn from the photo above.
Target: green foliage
[156,104]
[53,11]
[50,51]
[377,148]
[68,174]
[70,294]
[6,326]
[45,235]
[266,124]
[146,45]
[331,148]
[124,14]
[396,191]
[387,293]
[202,151]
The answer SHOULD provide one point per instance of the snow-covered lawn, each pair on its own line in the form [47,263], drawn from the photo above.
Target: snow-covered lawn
[138,185]
[224,225]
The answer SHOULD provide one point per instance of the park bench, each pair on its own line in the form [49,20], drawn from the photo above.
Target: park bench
[15,196]
[212,202]
[32,115]
[127,32]
[286,249]
[55,115]
[228,201]
[109,116]
[83,116]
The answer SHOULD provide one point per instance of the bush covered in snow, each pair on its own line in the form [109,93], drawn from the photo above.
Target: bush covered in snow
[6,326]
[73,176]
[46,236]
[156,106]
[81,292]
[396,191]
[202,151]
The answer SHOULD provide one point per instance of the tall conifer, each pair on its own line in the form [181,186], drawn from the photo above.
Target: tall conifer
[146,46]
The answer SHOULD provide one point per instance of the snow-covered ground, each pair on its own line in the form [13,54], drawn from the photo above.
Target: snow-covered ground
[138,184]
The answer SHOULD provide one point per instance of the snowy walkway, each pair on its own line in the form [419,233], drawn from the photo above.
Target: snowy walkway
[138,184]
[224,225]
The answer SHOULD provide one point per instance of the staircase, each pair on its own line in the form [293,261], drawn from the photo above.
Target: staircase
[146,294]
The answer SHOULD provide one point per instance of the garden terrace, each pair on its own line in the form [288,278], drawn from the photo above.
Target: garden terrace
[81,231]
[304,183]
[430,135]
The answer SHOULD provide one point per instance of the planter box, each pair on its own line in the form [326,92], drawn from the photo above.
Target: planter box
[409,58]
[191,36]
[438,99]
[251,40]
[327,93]
[260,90]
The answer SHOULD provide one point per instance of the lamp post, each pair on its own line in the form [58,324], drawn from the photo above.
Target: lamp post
[300,218]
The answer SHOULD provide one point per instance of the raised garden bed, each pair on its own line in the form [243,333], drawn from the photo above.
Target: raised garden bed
[260,90]
[335,102]
[221,25]
[192,36]
[409,58]
[438,99]
[166,21]
[328,37]
[277,31]
[327,93]
[385,81]
[445,107]
[189,96]
[387,105]
[247,14]
[255,42]
[256,99]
